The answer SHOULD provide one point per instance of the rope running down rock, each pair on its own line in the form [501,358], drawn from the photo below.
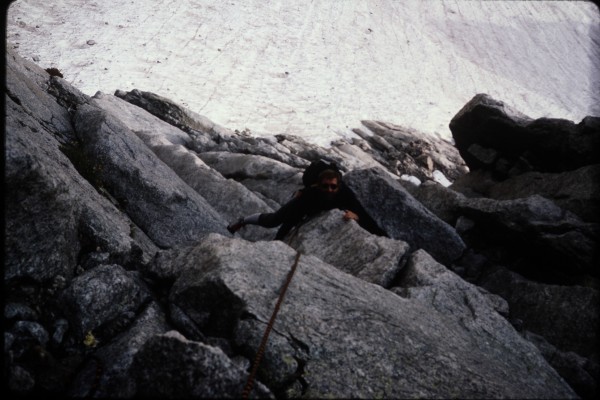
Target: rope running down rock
[265,338]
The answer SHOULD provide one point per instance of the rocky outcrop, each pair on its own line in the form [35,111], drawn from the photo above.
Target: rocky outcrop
[328,312]
[56,220]
[406,152]
[188,369]
[335,241]
[491,135]
[169,144]
[402,217]
[140,183]
[121,280]
[558,319]
[273,180]
[206,135]
[576,191]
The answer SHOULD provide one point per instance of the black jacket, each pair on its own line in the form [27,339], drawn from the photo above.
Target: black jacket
[312,201]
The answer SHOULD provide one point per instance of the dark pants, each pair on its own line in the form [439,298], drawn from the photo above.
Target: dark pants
[288,216]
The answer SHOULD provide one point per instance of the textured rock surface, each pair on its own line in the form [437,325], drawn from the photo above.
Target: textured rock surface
[346,337]
[141,183]
[119,270]
[491,135]
[334,240]
[402,217]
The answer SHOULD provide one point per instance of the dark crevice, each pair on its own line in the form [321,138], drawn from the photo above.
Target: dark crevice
[13,98]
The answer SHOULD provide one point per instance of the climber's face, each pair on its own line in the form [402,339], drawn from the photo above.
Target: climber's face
[329,186]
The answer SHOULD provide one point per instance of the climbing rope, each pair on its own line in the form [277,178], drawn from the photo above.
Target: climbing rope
[265,338]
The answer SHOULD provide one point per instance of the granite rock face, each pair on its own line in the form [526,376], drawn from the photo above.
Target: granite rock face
[491,135]
[339,334]
[121,280]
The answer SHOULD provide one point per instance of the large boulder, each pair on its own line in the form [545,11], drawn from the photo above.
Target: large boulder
[562,321]
[402,217]
[272,179]
[429,282]
[173,113]
[438,199]
[27,85]
[207,135]
[160,203]
[411,152]
[491,135]
[170,366]
[580,372]
[339,336]
[228,197]
[103,300]
[111,373]
[567,316]
[151,129]
[54,217]
[548,237]
[334,240]
[532,233]
[577,191]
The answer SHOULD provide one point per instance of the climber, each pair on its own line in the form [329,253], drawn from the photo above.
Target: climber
[323,192]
